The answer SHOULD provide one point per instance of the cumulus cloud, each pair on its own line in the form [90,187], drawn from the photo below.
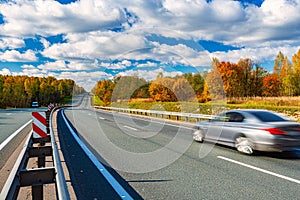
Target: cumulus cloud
[11,43]
[16,56]
[5,71]
[149,75]
[256,54]
[113,35]
[29,18]
[95,45]
[84,79]
[147,64]
[45,42]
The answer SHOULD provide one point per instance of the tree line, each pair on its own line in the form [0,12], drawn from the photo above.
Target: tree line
[21,91]
[246,78]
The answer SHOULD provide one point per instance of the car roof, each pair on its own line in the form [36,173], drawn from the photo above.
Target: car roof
[249,110]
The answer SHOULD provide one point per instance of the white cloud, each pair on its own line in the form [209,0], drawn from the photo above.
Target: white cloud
[45,42]
[5,71]
[181,54]
[95,45]
[84,79]
[91,44]
[148,64]
[149,75]
[61,65]
[256,54]
[28,18]
[16,56]
[8,42]
[53,66]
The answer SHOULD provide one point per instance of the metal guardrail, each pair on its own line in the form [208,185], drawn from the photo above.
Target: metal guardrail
[156,113]
[62,190]
[37,177]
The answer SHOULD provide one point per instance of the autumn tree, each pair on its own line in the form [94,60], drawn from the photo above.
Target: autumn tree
[271,85]
[214,85]
[2,78]
[161,90]
[20,91]
[296,73]
[104,89]
[126,87]
[278,63]
[196,81]
[7,91]
[32,85]
[183,90]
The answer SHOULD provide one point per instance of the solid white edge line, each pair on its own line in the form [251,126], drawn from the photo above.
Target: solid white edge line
[261,170]
[14,170]
[5,142]
[112,181]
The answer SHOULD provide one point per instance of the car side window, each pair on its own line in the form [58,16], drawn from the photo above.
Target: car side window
[221,118]
[235,117]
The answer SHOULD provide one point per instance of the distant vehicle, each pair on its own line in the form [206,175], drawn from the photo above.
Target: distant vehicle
[250,130]
[35,104]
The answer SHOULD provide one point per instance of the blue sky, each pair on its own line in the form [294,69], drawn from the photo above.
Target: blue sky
[89,40]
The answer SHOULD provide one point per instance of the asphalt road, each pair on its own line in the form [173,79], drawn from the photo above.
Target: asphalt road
[153,159]
[12,119]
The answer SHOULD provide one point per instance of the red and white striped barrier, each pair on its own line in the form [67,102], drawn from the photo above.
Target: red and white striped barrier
[39,124]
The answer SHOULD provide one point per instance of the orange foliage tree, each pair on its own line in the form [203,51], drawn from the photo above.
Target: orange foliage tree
[271,86]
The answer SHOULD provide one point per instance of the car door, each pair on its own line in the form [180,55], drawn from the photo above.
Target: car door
[215,128]
[232,126]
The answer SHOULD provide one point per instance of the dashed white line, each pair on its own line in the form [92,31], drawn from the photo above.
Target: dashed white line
[260,169]
[101,118]
[129,127]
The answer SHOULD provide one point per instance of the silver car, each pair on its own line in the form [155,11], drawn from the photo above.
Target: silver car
[250,130]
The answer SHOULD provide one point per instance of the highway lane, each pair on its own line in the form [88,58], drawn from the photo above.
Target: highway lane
[12,119]
[186,170]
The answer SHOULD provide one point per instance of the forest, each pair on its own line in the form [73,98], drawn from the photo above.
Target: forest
[246,78]
[21,91]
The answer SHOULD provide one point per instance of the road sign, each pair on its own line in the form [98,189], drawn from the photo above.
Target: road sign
[39,124]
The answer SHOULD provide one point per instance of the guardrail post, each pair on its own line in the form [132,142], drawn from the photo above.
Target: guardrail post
[37,192]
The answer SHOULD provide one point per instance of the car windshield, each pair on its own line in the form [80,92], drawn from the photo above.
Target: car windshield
[267,116]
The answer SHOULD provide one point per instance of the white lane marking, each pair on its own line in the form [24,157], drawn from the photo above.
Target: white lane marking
[101,118]
[261,170]
[129,127]
[112,181]
[5,142]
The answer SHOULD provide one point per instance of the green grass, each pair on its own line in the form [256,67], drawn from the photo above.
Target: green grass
[97,101]
[66,100]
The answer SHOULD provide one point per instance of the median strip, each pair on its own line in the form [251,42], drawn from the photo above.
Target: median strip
[260,169]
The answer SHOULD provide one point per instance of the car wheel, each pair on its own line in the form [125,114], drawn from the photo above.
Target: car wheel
[244,145]
[198,136]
